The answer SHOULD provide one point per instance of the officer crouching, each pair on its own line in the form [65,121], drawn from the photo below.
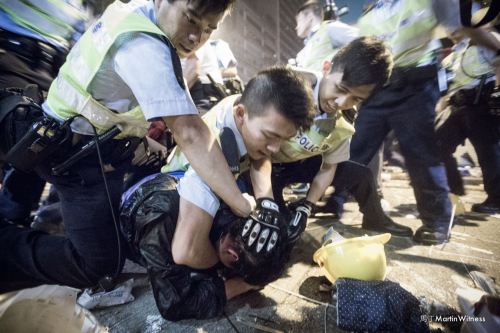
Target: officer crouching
[123,71]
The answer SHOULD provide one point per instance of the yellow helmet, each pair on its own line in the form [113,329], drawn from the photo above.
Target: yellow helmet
[361,258]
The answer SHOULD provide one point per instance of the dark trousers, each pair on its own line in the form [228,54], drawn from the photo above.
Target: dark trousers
[454,125]
[20,194]
[350,176]
[90,249]
[408,109]
[20,191]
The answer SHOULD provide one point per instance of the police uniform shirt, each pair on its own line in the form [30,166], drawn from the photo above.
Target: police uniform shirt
[138,70]
[191,187]
[301,146]
[339,33]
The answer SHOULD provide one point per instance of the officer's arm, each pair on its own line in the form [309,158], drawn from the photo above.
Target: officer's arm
[260,174]
[483,37]
[191,244]
[204,154]
[321,181]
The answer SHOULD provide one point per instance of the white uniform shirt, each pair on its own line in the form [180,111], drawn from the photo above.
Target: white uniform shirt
[194,189]
[138,70]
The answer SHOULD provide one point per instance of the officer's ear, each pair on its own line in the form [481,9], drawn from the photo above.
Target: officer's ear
[327,65]
[241,110]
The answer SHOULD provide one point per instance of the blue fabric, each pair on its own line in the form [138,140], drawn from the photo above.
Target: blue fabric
[377,306]
[6,23]
[408,109]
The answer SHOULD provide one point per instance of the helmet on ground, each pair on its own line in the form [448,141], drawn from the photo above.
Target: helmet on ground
[361,258]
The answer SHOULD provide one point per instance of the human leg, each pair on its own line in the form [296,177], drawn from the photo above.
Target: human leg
[358,180]
[413,124]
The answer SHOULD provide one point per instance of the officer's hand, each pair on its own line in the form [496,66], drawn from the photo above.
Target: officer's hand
[494,102]
[261,230]
[300,210]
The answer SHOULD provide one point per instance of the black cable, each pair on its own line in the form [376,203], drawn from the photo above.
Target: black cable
[117,232]
[231,323]
[106,187]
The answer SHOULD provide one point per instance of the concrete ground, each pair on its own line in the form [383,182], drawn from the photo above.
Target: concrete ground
[295,302]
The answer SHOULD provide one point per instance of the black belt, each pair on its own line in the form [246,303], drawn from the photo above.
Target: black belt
[470,96]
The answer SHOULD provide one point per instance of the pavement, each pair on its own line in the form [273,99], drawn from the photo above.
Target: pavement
[300,301]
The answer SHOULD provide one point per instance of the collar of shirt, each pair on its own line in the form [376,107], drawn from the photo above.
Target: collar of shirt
[225,118]
[313,31]
[319,76]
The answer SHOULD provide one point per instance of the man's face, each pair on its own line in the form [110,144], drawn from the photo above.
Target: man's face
[264,133]
[335,95]
[226,251]
[304,22]
[185,28]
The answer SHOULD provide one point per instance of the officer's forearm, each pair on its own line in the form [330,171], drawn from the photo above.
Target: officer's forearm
[321,181]
[260,174]
[203,153]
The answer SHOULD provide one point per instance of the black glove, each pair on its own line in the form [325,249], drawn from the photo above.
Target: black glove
[494,102]
[263,226]
[300,210]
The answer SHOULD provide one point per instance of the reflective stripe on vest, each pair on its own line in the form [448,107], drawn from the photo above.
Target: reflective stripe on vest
[407,26]
[313,142]
[317,49]
[68,95]
[468,65]
[51,18]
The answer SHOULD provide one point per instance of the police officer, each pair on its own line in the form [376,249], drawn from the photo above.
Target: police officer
[407,103]
[321,38]
[468,115]
[123,71]
[320,155]
[34,39]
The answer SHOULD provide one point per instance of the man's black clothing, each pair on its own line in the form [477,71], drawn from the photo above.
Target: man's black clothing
[148,219]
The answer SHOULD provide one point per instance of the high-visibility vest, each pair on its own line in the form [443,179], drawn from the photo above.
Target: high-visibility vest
[317,49]
[468,65]
[177,161]
[54,19]
[407,27]
[69,93]
[325,134]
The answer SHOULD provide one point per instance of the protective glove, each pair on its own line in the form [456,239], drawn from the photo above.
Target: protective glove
[261,230]
[494,102]
[300,210]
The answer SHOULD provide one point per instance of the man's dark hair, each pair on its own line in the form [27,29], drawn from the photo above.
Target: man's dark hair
[204,7]
[313,6]
[364,61]
[284,89]
[256,269]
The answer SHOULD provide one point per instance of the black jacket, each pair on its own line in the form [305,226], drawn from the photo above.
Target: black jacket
[148,219]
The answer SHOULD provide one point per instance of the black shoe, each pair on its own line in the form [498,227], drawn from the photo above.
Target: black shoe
[331,207]
[487,207]
[428,236]
[389,226]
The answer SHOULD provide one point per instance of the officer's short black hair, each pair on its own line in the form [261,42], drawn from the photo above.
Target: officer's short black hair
[256,269]
[204,7]
[284,89]
[313,6]
[364,61]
